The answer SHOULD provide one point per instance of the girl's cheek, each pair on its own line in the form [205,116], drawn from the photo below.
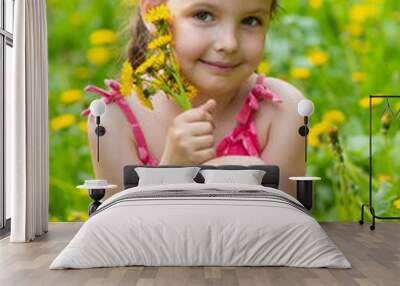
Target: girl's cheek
[254,48]
[189,42]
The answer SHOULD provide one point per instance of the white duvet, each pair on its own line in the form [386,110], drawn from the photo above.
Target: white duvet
[205,230]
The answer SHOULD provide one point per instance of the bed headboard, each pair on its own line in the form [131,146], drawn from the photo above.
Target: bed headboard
[270,179]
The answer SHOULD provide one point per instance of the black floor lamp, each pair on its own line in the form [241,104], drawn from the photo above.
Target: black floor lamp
[370,204]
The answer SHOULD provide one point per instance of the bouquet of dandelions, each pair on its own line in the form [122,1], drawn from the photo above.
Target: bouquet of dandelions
[160,64]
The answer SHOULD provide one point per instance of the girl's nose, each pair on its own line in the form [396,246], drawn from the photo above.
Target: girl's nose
[227,40]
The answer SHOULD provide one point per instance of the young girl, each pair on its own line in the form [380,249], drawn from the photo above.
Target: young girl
[238,117]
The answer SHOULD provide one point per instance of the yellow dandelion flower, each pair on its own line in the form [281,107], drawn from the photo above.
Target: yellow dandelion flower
[362,12]
[83,216]
[102,37]
[175,87]
[320,128]
[315,4]
[300,73]
[82,126]
[70,96]
[98,55]
[141,69]
[76,216]
[385,178]
[159,61]
[317,57]
[158,13]
[148,63]
[355,29]
[397,107]
[263,68]
[142,99]
[157,83]
[396,204]
[313,140]
[192,91]
[364,102]
[360,46]
[126,79]
[358,76]
[83,192]
[81,73]
[159,42]
[334,116]
[62,121]
[163,76]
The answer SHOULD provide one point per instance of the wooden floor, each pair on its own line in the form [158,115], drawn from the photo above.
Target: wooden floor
[374,255]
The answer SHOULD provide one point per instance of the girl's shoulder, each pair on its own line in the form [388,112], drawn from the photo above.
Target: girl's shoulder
[288,92]
[286,112]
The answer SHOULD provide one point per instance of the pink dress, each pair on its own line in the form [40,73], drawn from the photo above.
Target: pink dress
[242,140]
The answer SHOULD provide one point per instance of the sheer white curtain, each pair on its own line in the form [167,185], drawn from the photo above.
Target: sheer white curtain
[27,121]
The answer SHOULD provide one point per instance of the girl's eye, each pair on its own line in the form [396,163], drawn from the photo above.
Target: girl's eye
[202,15]
[249,20]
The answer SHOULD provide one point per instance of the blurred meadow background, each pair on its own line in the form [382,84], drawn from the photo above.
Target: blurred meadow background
[337,52]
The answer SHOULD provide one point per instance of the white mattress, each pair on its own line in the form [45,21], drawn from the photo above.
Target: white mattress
[189,230]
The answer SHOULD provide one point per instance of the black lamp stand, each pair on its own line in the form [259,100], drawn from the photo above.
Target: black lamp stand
[370,204]
[100,131]
[96,195]
[303,131]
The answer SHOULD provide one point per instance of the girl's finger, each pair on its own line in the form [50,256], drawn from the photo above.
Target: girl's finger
[209,106]
[203,142]
[201,128]
[206,154]
[196,114]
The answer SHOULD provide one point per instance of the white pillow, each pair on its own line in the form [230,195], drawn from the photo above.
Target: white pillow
[162,176]
[249,177]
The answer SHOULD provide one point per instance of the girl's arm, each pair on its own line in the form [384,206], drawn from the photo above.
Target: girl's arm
[117,147]
[285,147]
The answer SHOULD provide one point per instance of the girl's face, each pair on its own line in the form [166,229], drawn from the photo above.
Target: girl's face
[219,43]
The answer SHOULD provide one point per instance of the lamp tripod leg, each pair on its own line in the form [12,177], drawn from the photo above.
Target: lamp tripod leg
[305,148]
[361,221]
[98,144]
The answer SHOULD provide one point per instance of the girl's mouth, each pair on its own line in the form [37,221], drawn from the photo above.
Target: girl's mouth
[217,66]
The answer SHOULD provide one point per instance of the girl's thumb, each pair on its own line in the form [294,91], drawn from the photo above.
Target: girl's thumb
[209,106]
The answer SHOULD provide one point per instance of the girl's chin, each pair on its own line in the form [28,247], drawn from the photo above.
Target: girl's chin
[214,88]
[211,81]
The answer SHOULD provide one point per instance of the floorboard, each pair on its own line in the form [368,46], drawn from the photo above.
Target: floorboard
[374,255]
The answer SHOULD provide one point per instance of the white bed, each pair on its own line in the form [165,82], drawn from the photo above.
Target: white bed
[201,224]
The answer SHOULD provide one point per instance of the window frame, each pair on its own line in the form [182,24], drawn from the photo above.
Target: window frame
[6,39]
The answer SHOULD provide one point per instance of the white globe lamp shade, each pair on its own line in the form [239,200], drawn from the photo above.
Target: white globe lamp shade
[305,107]
[97,107]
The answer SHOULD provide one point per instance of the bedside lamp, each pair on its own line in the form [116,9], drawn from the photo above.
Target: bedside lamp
[305,108]
[97,108]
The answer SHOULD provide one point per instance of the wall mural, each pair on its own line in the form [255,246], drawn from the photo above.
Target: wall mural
[336,53]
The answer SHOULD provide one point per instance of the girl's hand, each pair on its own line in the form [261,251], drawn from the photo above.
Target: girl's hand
[190,139]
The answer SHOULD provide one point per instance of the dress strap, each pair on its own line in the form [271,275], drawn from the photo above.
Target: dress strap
[114,95]
[258,92]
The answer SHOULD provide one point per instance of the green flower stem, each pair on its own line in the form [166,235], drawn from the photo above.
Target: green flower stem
[182,99]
